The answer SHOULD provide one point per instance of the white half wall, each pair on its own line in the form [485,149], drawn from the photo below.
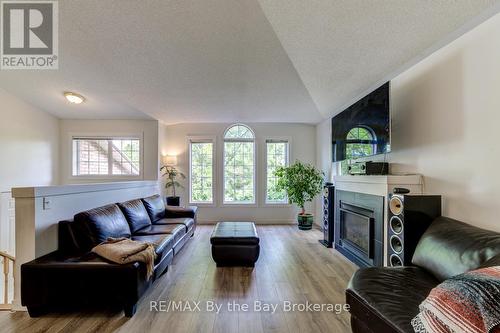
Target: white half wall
[302,147]
[446,116]
[146,130]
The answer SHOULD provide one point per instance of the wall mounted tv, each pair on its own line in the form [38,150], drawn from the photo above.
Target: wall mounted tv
[363,129]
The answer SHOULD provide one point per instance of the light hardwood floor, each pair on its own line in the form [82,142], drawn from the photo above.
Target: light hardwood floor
[292,266]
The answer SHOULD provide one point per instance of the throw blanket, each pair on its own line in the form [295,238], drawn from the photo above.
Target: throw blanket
[124,251]
[468,302]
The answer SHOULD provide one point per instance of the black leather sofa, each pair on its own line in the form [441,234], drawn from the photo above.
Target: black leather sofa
[384,300]
[72,277]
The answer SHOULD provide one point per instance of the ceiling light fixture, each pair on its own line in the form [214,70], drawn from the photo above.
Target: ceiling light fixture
[74,98]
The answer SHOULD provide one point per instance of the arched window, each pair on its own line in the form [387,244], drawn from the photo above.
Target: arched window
[239,165]
[360,141]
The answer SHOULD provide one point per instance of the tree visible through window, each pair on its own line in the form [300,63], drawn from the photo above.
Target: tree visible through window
[101,157]
[201,172]
[239,165]
[360,141]
[276,156]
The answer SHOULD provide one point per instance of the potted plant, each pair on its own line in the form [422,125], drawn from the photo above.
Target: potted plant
[301,182]
[171,173]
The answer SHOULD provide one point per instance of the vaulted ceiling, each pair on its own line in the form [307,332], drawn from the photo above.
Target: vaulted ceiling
[225,60]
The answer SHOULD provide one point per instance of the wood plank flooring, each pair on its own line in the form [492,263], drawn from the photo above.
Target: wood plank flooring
[292,266]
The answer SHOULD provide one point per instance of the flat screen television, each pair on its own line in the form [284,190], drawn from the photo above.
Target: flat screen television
[363,129]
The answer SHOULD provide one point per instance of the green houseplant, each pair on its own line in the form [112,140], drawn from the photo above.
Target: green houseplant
[172,173]
[301,182]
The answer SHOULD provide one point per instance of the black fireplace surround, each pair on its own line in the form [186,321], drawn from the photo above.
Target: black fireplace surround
[359,227]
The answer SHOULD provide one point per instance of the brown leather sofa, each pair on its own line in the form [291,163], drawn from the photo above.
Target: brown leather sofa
[384,300]
[72,277]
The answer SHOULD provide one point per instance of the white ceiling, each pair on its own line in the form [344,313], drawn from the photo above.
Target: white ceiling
[342,48]
[225,60]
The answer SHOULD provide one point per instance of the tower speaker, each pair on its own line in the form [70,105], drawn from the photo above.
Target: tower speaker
[328,214]
[408,218]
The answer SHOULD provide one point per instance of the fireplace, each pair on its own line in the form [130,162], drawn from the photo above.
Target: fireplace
[359,227]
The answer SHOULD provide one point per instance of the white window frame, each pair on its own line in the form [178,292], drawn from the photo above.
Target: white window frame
[203,139]
[255,162]
[100,136]
[288,140]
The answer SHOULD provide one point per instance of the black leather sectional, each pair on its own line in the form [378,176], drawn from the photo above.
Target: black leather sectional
[72,277]
[386,299]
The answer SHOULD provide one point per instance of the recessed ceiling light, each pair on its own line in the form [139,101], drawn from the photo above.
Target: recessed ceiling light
[74,98]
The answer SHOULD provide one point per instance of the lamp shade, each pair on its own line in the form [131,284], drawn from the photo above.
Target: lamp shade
[170,160]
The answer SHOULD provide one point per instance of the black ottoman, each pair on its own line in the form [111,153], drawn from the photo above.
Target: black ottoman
[235,244]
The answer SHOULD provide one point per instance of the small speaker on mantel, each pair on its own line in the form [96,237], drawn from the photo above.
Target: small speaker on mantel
[328,214]
[408,218]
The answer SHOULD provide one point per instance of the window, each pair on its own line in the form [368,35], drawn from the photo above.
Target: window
[201,166]
[276,156]
[360,141]
[106,157]
[239,165]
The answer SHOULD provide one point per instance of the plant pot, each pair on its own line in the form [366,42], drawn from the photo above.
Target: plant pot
[305,221]
[173,201]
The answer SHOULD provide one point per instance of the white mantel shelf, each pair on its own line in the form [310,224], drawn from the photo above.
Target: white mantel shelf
[388,179]
[48,191]
[379,185]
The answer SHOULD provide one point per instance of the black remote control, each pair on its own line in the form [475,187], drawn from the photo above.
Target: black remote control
[400,190]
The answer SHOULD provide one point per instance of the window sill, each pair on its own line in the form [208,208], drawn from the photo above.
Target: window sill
[107,178]
[277,205]
[202,204]
[239,205]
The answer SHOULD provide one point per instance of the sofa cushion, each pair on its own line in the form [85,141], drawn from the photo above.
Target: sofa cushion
[136,214]
[450,247]
[163,243]
[390,294]
[177,230]
[155,206]
[103,222]
[157,229]
[187,221]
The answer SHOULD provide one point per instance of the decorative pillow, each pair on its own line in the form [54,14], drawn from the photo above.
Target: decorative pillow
[468,302]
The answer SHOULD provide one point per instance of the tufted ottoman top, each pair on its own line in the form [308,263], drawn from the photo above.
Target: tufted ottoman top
[234,233]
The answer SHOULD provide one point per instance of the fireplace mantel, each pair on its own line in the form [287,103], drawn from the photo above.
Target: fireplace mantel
[381,186]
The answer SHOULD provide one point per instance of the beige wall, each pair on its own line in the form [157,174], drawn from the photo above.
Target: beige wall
[147,130]
[163,150]
[29,142]
[446,113]
[323,159]
[302,147]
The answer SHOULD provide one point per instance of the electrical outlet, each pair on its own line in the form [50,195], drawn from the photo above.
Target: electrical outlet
[47,204]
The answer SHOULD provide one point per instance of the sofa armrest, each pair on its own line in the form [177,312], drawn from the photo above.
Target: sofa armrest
[52,280]
[174,211]
[494,261]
